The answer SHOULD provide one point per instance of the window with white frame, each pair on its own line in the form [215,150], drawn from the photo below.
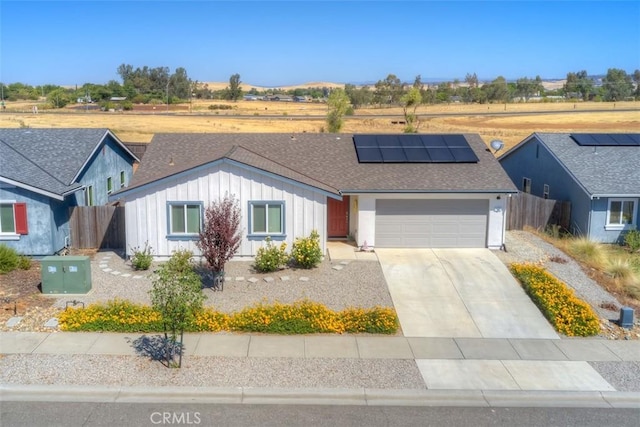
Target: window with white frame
[184,218]
[622,212]
[545,191]
[109,185]
[526,185]
[13,218]
[266,218]
[122,179]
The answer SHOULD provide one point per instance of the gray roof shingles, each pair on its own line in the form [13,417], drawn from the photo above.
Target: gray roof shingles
[600,170]
[48,159]
[325,161]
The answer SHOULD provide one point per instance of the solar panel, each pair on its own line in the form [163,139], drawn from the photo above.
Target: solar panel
[606,139]
[413,148]
[417,155]
[463,155]
[369,155]
[393,155]
[441,155]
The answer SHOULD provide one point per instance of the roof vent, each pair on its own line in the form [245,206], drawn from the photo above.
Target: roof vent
[171,163]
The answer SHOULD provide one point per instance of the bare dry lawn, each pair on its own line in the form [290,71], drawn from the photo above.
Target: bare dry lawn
[511,122]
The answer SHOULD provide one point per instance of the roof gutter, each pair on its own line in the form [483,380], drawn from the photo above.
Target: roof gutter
[503,191]
[618,196]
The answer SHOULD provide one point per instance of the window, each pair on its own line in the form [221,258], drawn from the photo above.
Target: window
[526,185]
[266,218]
[90,195]
[13,219]
[545,191]
[109,185]
[185,218]
[622,212]
[122,179]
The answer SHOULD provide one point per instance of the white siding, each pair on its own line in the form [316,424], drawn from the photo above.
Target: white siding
[146,208]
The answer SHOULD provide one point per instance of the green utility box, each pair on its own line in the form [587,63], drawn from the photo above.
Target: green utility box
[66,275]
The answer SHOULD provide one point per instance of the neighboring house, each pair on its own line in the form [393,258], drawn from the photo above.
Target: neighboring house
[288,185]
[43,172]
[598,173]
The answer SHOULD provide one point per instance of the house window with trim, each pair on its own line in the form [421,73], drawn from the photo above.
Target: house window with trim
[89,195]
[622,213]
[266,218]
[184,219]
[109,185]
[526,185]
[13,219]
[545,191]
[122,179]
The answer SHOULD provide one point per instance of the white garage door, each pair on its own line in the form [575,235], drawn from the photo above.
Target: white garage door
[431,223]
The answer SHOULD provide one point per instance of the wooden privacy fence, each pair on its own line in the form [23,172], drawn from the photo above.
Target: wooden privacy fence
[525,209]
[100,227]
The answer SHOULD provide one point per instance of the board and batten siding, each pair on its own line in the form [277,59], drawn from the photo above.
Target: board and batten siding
[146,208]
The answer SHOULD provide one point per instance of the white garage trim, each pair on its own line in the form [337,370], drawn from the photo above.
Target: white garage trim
[420,223]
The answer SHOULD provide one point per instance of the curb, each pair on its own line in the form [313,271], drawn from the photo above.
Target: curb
[321,396]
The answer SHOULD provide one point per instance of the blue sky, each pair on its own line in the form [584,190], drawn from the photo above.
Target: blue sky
[282,43]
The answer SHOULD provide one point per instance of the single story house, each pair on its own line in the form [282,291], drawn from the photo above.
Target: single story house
[44,172]
[382,190]
[598,173]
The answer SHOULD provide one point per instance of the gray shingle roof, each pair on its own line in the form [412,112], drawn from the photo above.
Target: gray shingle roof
[47,159]
[326,161]
[601,170]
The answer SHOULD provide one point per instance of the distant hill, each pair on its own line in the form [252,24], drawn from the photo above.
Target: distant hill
[247,86]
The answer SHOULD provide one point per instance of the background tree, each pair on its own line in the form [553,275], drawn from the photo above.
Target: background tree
[180,84]
[338,104]
[358,96]
[616,85]
[234,91]
[177,295]
[579,83]
[636,80]
[389,90]
[526,87]
[497,90]
[410,102]
[220,237]
[58,98]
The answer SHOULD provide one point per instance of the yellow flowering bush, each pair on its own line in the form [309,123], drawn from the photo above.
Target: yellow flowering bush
[112,316]
[271,257]
[569,314]
[302,317]
[306,252]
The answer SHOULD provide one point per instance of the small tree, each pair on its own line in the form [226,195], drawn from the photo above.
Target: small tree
[410,102]
[177,296]
[338,103]
[233,92]
[220,236]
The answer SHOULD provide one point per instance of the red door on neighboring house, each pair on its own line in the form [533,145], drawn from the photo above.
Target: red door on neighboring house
[338,217]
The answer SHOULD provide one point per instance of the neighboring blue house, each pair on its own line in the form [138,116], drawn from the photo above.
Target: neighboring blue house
[598,173]
[44,172]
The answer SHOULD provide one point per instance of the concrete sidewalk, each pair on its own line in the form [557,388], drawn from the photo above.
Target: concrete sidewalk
[471,371]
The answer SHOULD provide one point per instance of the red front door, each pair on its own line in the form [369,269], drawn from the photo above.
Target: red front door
[338,217]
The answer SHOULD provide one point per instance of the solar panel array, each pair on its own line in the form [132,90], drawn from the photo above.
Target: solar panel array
[607,139]
[412,148]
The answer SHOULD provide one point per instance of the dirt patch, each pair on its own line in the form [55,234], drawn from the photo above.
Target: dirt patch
[20,295]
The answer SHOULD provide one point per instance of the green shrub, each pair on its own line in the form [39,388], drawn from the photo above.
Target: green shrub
[632,240]
[127,105]
[271,257]
[24,262]
[112,316]
[9,259]
[142,258]
[567,313]
[306,252]
[220,107]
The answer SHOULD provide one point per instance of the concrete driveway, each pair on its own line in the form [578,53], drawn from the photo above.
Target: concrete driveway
[459,293]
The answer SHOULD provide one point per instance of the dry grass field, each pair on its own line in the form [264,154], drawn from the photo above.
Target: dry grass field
[510,122]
